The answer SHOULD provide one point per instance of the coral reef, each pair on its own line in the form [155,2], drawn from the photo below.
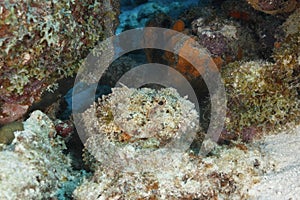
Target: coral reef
[136,15]
[138,121]
[142,143]
[33,166]
[261,99]
[264,97]
[230,33]
[43,41]
[287,51]
[274,6]
[263,93]
[226,175]
[226,40]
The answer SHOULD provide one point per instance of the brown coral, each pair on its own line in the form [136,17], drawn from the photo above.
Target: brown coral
[273,6]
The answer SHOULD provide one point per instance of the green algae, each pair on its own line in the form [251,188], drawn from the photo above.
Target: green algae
[7,132]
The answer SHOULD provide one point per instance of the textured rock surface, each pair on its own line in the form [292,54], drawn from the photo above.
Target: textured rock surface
[226,175]
[43,41]
[128,132]
[34,166]
[274,6]
[260,99]
[135,16]
[137,122]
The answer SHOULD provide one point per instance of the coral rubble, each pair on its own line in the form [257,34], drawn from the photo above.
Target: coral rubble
[34,166]
[226,176]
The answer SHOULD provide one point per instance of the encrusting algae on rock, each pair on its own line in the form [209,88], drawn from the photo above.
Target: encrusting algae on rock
[274,6]
[126,158]
[139,142]
[224,176]
[44,41]
[137,120]
[264,96]
[259,100]
[7,132]
[34,166]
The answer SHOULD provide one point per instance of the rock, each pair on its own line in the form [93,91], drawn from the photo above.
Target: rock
[7,132]
[42,42]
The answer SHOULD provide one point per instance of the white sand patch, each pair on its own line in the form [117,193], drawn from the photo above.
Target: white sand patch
[282,182]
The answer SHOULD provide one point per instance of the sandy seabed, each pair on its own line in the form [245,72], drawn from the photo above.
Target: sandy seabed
[283,182]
